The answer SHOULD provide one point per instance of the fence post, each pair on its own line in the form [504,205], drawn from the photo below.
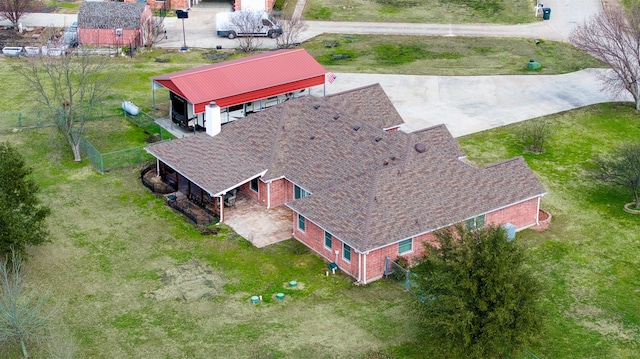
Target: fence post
[406,280]
[19,119]
[101,163]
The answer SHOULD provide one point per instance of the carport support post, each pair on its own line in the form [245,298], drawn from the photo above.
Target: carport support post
[153,99]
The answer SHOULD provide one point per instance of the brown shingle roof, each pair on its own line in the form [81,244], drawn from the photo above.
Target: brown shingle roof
[369,103]
[369,187]
[110,15]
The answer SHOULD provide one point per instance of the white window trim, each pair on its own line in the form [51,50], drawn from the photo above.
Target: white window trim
[343,252]
[325,240]
[400,243]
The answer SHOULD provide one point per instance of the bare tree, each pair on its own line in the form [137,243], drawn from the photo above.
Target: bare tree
[248,23]
[69,87]
[621,168]
[153,31]
[292,28]
[22,316]
[533,134]
[613,37]
[13,10]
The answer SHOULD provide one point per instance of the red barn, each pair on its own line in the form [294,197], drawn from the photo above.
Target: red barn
[112,23]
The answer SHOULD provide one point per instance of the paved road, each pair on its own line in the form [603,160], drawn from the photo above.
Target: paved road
[466,104]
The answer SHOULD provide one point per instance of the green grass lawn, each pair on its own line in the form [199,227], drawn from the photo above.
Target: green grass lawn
[423,11]
[422,55]
[112,240]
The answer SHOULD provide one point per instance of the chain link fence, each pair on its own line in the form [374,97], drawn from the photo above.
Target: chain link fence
[397,273]
[104,162]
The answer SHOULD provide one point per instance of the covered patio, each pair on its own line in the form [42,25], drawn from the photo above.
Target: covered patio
[257,224]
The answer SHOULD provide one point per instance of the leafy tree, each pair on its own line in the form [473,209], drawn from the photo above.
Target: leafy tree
[621,168]
[13,10]
[22,215]
[22,317]
[69,87]
[613,37]
[478,297]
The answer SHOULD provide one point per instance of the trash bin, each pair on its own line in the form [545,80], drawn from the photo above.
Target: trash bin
[546,13]
[533,65]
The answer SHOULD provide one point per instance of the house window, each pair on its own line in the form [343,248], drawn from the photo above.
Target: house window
[254,185]
[476,222]
[405,246]
[346,252]
[301,223]
[327,239]
[299,192]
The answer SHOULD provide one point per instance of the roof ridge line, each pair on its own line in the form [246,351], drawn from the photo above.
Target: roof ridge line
[223,65]
[279,132]
[371,200]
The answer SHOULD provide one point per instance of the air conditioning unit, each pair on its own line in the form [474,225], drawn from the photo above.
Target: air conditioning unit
[119,32]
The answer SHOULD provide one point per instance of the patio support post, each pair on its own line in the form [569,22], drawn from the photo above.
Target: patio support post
[222,208]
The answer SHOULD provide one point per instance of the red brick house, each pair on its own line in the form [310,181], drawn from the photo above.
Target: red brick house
[112,23]
[358,193]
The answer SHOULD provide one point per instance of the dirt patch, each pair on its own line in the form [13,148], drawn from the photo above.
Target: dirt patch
[30,36]
[191,281]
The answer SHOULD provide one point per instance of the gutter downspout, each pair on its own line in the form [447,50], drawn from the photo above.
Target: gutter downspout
[268,195]
[365,267]
[538,212]
[359,267]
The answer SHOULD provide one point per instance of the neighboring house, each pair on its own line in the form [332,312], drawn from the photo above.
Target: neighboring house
[240,86]
[113,23]
[266,5]
[167,4]
[359,193]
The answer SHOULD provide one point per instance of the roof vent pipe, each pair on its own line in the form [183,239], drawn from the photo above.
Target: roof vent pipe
[336,116]
[315,107]
[420,147]
[356,128]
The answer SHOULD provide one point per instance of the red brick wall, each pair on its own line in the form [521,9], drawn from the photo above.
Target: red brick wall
[260,196]
[107,37]
[522,215]
[281,192]
[313,237]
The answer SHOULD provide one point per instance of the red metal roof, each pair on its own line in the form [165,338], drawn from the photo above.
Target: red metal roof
[242,80]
